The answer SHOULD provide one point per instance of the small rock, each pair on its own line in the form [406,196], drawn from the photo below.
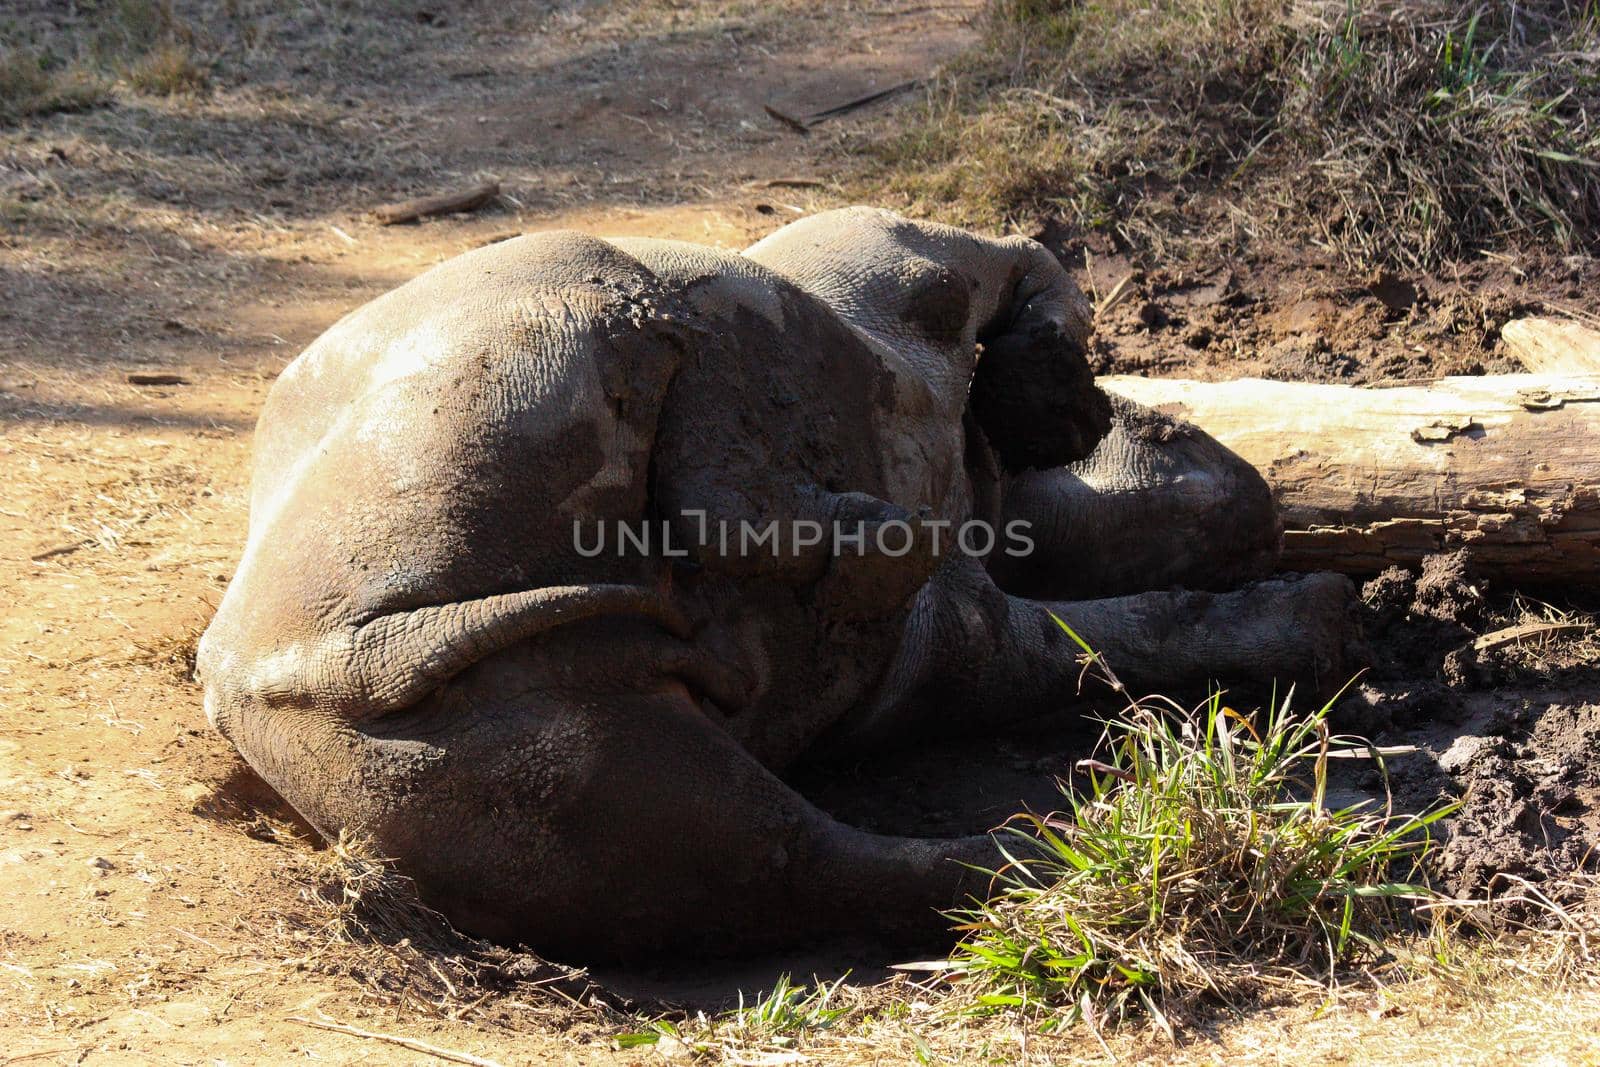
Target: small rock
[102,865]
[1463,752]
[670,1048]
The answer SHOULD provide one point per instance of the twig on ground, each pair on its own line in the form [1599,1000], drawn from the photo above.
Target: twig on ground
[790,183]
[788,120]
[61,550]
[1119,292]
[40,1052]
[395,1039]
[860,102]
[1515,635]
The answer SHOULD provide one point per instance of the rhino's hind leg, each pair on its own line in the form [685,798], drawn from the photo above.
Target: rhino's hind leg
[612,825]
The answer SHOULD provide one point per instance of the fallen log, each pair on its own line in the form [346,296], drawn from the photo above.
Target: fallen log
[1365,478]
[443,204]
[1553,346]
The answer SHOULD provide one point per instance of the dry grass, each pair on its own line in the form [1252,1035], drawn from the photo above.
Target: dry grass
[1404,131]
[361,919]
[141,44]
[1549,641]
[31,84]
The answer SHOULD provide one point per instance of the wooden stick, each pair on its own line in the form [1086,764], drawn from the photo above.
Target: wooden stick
[61,550]
[788,120]
[443,204]
[1115,297]
[789,183]
[1515,635]
[41,1052]
[859,102]
[803,125]
[395,1039]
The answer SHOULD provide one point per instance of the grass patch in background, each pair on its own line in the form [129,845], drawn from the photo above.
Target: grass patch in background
[1404,132]
[32,83]
[142,44]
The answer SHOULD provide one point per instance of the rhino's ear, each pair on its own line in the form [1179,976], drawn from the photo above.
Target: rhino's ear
[1036,399]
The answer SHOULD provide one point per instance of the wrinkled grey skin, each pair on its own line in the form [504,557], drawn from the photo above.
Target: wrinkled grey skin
[583,753]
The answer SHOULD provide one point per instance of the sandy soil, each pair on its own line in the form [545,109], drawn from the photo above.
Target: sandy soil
[154,892]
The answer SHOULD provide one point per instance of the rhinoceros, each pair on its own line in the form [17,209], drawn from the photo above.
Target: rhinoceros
[490,616]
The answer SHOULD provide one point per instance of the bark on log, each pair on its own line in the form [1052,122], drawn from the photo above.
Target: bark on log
[1553,346]
[1365,478]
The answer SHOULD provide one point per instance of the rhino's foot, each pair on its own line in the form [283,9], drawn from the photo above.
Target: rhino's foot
[1302,630]
[1159,504]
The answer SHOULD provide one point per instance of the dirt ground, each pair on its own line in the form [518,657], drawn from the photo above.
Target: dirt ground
[151,886]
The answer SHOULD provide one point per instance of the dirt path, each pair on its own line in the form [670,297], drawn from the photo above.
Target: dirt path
[145,896]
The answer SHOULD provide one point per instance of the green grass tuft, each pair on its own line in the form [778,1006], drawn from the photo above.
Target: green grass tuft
[780,1018]
[1202,863]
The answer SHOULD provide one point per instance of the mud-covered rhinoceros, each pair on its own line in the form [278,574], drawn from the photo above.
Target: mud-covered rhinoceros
[438,636]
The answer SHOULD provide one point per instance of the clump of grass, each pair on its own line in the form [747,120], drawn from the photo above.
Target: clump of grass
[33,83]
[152,47]
[1433,129]
[167,70]
[1395,132]
[780,1019]
[1202,863]
[143,43]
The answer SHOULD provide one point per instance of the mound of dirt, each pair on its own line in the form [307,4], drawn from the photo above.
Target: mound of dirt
[1291,313]
[1511,731]
[1529,787]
